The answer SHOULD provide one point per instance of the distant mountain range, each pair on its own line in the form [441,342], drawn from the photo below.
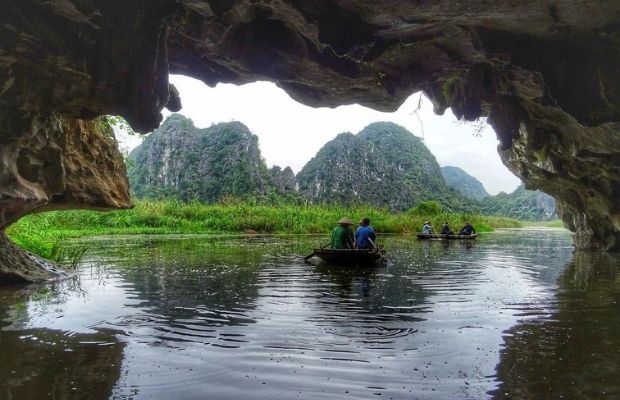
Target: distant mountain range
[383,165]
[464,183]
[531,205]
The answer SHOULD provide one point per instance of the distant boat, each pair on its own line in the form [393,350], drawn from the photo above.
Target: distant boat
[439,236]
[352,257]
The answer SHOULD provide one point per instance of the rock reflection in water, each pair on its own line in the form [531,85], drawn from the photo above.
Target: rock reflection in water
[574,353]
[55,364]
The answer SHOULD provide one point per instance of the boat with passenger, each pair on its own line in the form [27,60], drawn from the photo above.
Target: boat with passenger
[439,236]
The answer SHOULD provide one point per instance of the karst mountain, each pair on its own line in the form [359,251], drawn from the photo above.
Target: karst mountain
[384,165]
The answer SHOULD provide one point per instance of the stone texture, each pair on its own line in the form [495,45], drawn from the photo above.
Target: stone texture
[283,180]
[56,163]
[545,73]
[384,165]
[464,183]
[18,266]
[213,164]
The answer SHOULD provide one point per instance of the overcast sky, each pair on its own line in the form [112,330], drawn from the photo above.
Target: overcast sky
[290,134]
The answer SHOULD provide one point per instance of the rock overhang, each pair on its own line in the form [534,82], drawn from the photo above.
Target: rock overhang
[544,74]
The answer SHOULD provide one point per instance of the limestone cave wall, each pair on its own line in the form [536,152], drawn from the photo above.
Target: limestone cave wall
[543,72]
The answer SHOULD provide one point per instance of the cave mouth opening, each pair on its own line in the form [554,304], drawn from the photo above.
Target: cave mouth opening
[291,133]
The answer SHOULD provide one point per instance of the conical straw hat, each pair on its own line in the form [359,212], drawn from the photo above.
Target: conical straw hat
[345,221]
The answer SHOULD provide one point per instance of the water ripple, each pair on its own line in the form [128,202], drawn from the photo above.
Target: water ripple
[238,318]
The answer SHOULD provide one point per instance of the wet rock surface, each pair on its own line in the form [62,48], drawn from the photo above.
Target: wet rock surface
[56,163]
[19,266]
[544,73]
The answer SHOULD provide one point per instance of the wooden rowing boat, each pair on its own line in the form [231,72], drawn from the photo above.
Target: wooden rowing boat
[351,256]
[438,236]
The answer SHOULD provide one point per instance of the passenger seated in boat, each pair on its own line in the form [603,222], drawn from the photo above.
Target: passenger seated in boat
[365,235]
[468,229]
[342,235]
[445,229]
[426,229]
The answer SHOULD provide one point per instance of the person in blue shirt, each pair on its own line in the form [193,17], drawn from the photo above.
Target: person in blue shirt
[365,235]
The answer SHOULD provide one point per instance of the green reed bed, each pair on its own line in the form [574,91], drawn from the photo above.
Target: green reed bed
[41,232]
[556,223]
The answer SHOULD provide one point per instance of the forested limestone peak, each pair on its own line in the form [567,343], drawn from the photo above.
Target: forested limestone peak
[383,165]
[464,183]
[523,204]
[181,161]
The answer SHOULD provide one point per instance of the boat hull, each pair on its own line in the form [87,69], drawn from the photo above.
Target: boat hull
[350,256]
[435,236]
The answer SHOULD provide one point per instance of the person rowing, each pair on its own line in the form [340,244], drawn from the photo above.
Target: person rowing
[342,235]
[365,235]
[426,229]
[445,229]
[468,229]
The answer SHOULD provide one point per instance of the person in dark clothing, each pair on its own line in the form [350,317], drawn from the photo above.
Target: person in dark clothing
[468,229]
[365,235]
[342,235]
[445,229]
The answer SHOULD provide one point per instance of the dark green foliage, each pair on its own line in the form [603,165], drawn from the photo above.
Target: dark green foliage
[464,183]
[384,165]
[523,204]
[426,208]
[42,232]
[183,162]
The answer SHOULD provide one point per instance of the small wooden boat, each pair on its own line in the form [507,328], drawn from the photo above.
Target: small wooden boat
[439,236]
[351,256]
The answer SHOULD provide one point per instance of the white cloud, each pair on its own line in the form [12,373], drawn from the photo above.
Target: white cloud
[291,133]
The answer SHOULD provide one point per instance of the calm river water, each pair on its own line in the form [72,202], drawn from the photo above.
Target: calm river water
[516,315]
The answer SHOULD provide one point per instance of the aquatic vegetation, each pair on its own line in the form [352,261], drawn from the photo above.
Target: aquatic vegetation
[43,233]
[42,294]
[47,243]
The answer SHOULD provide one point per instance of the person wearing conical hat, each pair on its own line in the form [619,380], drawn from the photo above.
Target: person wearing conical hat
[426,229]
[342,235]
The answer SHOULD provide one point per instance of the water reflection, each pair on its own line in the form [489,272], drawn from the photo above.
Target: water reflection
[349,281]
[45,363]
[244,317]
[574,353]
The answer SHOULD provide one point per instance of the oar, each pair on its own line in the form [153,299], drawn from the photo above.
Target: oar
[306,258]
[378,249]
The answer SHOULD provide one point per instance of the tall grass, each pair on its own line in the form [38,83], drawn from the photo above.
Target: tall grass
[39,232]
[556,223]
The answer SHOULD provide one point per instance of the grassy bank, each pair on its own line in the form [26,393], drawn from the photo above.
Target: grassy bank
[41,233]
[556,223]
